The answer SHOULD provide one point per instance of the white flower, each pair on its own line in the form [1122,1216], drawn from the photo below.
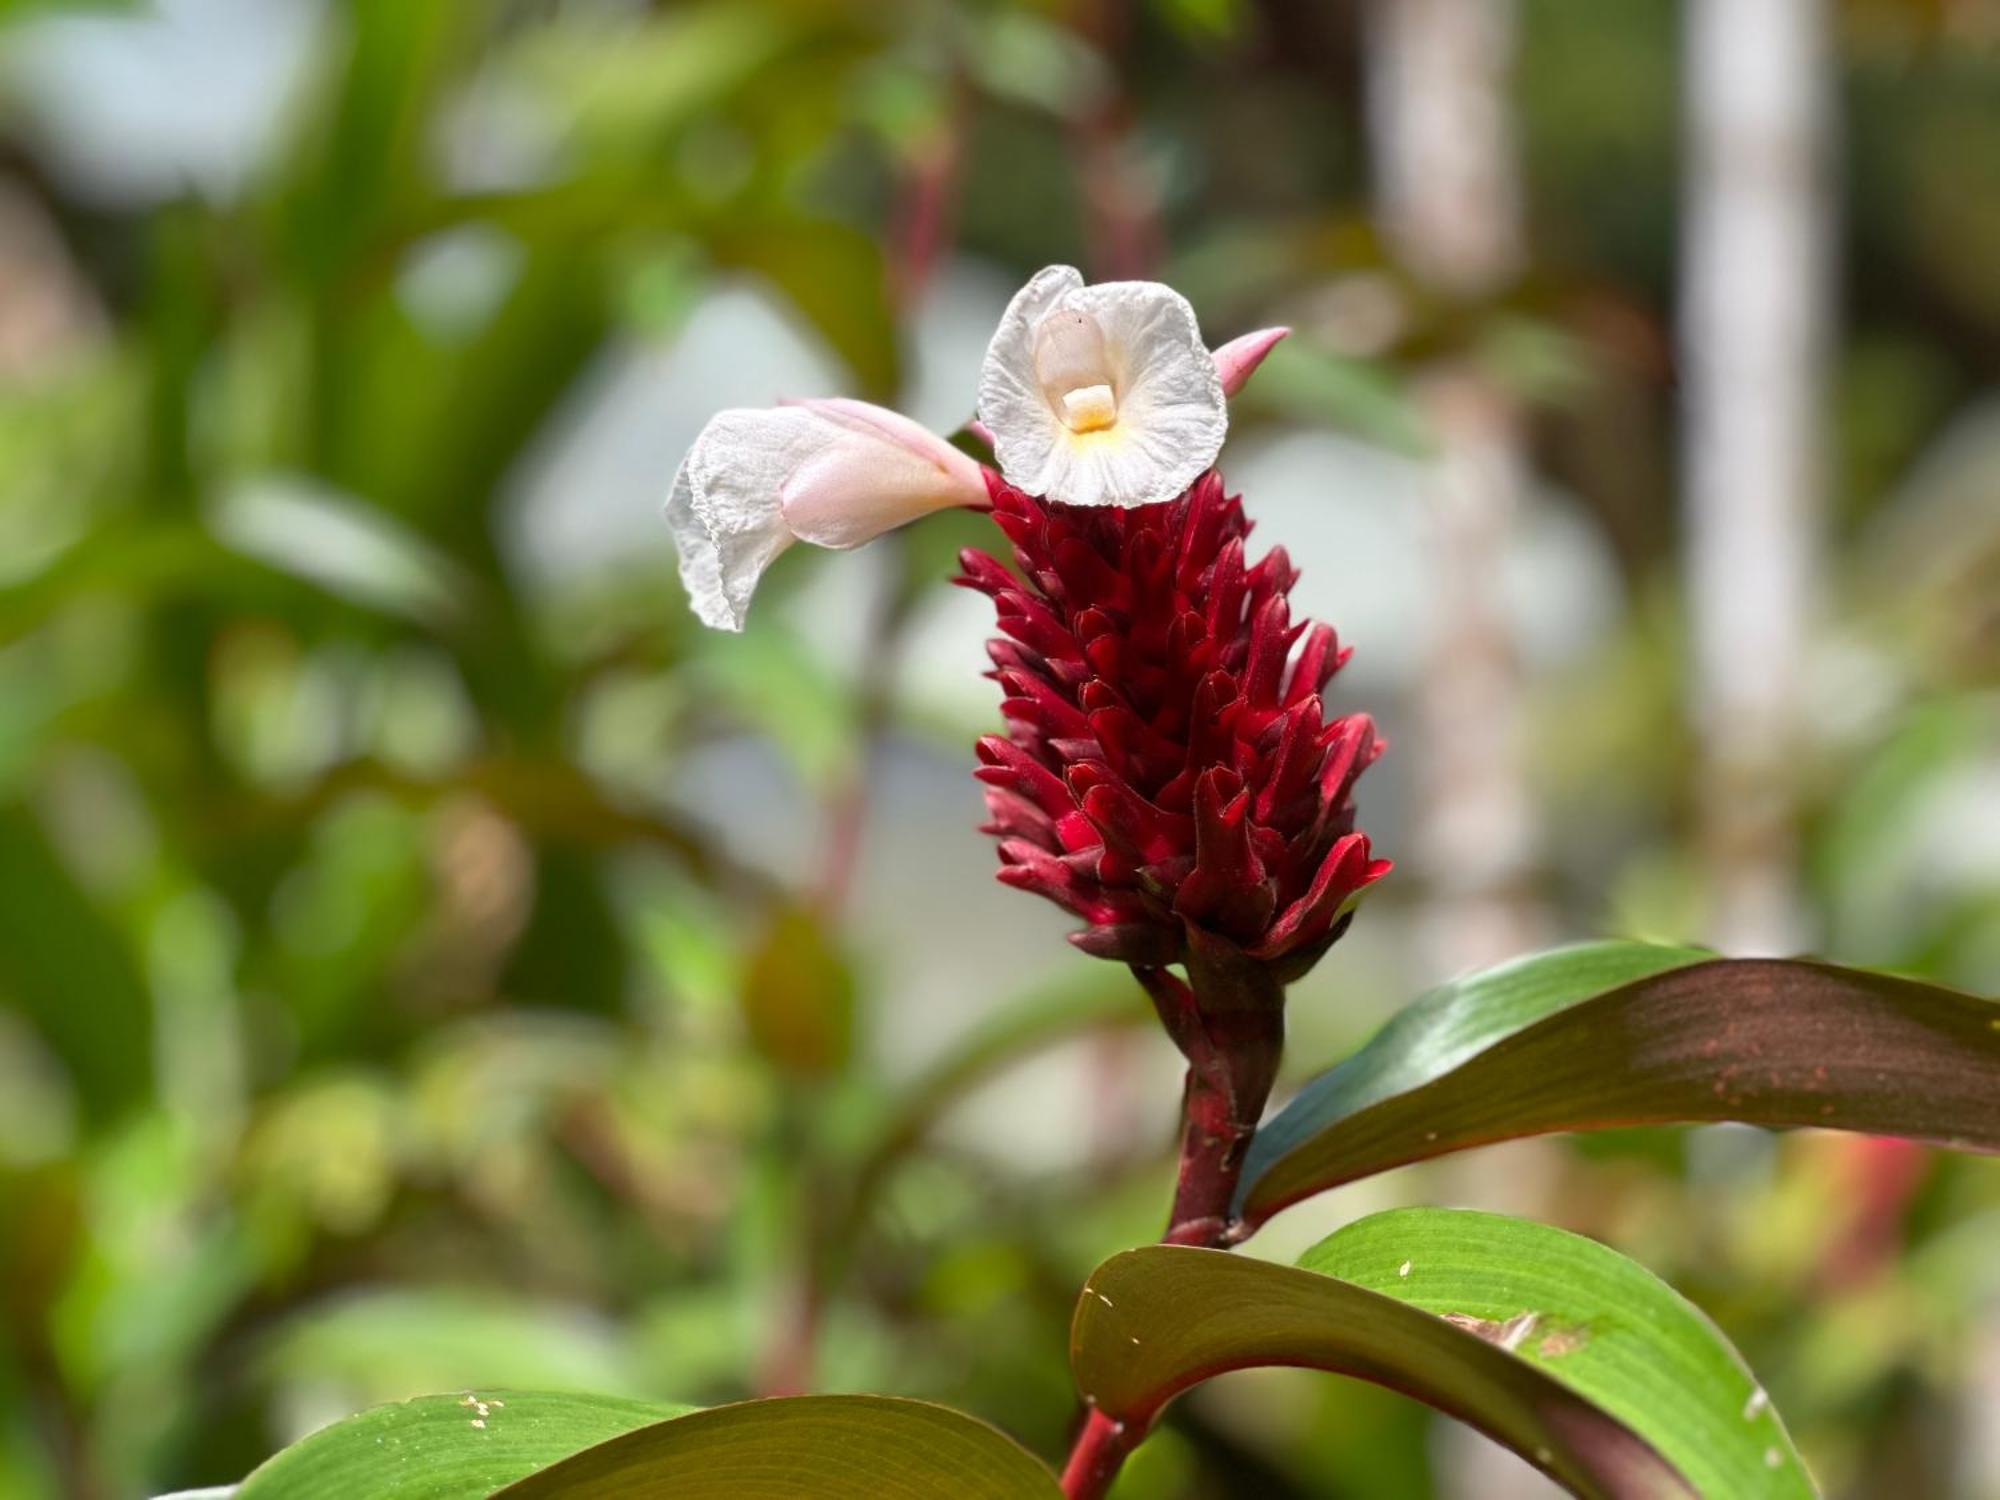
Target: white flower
[1101,395]
[835,473]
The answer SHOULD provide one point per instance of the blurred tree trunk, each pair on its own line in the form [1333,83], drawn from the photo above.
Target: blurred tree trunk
[1754,329]
[1448,196]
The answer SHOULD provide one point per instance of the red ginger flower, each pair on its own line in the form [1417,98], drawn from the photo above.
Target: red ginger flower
[1169,772]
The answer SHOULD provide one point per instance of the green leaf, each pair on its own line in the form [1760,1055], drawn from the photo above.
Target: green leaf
[803,1448]
[1152,1323]
[1615,1034]
[67,969]
[338,543]
[445,1447]
[1603,1325]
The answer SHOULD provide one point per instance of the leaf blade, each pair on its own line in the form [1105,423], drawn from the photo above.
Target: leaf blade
[1775,1042]
[453,1447]
[803,1448]
[1597,1322]
[1154,1322]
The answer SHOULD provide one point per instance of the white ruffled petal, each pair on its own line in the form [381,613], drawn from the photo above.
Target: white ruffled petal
[725,510]
[1168,416]
[834,473]
[1029,438]
[1172,415]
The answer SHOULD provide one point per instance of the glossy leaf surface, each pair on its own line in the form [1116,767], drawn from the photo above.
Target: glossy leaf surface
[804,1448]
[1152,1323]
[453,1447]
[1601,1324]
[1615,1034]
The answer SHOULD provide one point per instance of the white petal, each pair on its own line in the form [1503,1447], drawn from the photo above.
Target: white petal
[874,470]
[835,473]
[725,512]
[1171,413]
[866,417]
[1028,436]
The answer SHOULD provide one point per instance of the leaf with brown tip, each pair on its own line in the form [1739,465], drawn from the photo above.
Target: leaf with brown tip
[1616,1034]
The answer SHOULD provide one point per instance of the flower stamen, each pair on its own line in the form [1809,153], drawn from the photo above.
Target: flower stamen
[1091,409]
[1074,369]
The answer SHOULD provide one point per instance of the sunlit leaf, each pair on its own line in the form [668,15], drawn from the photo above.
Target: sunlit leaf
[613,87]
[350,549]
[1601,1324]
[804,1448]
[456,1447]
[1615,1034]
[1153,1323]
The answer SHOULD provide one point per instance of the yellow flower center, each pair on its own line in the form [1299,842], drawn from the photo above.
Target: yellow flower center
[1091,409]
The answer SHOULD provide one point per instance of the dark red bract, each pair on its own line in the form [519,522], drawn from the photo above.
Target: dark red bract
[1169,763]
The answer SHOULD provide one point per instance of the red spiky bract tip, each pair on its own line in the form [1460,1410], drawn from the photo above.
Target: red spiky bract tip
[1168,763]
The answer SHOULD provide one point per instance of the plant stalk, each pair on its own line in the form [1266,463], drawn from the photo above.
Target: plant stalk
[1100,1452]
[1228,1019]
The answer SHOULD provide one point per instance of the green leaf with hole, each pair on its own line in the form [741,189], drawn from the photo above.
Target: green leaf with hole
[457,1447]
[1152,1323]
[803,1448]
[1614,1034]
[1600,1324]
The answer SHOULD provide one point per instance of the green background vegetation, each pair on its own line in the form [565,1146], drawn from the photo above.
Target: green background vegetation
[428,960]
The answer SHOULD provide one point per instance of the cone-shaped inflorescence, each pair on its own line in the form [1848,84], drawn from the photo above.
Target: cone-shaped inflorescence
[1169,772]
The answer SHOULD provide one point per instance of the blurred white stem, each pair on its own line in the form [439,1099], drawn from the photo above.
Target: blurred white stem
[1448,194]
[1447,185]
[1476,819]
[1755,315]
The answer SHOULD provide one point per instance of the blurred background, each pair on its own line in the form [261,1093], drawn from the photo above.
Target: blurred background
[428,959]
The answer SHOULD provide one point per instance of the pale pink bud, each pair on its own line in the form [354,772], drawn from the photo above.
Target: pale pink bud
[1237,360]
[835,473]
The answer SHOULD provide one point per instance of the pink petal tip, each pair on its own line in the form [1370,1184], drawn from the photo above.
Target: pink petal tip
[1237,360]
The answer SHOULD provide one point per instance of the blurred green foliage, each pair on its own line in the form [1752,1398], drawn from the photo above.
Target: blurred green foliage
[384,1010]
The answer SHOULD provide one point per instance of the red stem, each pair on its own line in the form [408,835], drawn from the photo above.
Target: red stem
[1228,1020]
[1213,1144]
[1099,1454]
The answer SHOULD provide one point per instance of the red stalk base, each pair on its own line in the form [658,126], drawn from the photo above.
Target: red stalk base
[1099,1454]
[1228,1020]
